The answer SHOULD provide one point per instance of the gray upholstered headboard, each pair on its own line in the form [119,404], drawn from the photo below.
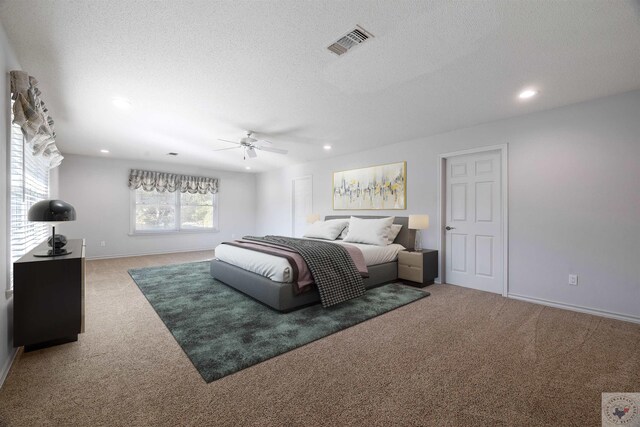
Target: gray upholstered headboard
[406,237]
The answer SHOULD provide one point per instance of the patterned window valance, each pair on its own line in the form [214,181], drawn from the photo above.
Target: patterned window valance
[30,113]
[171,182]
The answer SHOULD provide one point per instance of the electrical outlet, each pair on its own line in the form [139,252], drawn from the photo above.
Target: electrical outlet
[103,243]
[573,279]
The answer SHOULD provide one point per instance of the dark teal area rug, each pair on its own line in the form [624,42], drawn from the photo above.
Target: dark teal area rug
[223,331]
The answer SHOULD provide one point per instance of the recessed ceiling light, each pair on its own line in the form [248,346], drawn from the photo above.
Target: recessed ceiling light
[326,147]
[527,93]
[248,168]
[104,151]
[122,103]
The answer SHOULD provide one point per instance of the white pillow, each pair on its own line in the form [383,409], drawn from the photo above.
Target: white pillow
[370,231]
[327,230]
[393,233]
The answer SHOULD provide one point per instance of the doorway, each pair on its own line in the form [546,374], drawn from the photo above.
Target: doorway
[473,219]
[301,204]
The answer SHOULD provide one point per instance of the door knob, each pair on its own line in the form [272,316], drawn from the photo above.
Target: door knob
[449,228]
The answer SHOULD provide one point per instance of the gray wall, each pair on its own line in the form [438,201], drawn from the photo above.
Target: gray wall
[97,188]
[8,62]
[574,200]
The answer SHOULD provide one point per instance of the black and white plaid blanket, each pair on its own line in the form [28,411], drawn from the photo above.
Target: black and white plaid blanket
[331,266]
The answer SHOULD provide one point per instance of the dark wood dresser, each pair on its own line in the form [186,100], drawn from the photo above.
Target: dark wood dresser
[48,297]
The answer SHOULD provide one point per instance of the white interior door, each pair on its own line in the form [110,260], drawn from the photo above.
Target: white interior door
[301,204]
[473,226]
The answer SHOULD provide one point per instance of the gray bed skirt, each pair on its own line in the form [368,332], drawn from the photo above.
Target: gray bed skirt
[281,296]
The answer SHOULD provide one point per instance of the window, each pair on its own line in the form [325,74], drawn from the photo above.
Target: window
[29,183]
[196,211]
[155,211]
[159,212]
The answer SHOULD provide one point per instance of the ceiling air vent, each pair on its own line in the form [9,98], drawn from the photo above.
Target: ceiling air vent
[353,38]
[172,154]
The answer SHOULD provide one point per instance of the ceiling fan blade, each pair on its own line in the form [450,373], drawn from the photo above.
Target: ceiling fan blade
[263,141]
[251,153]
[226,140]
[225,149]
[272,150]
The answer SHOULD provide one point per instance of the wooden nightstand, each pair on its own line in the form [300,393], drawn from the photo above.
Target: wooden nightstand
[419,268]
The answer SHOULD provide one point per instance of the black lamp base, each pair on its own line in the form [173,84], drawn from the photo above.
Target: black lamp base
[50,253]
[56,242]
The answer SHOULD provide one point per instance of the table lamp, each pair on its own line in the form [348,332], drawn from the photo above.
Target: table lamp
[418,222]
[53,211]
[313,218]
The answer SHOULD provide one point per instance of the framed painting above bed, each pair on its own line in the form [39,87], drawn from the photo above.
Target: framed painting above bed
[371,188]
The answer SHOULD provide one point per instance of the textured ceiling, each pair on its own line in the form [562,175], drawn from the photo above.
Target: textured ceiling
[197,71]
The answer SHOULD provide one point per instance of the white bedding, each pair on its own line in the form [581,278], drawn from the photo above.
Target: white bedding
[279,270]
[373,254]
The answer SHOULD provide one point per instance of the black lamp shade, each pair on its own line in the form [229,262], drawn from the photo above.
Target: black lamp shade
[52,211]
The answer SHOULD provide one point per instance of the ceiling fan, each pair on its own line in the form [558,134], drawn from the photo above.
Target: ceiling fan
[249,144]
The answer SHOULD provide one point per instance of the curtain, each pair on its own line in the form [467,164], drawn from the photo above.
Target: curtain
[163,181]
[30,113]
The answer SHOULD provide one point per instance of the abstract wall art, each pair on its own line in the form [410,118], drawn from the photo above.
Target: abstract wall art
[375,187]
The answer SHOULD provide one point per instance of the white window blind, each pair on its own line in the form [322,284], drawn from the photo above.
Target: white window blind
[29,183]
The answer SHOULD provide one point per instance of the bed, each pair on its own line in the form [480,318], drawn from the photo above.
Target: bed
[270,285]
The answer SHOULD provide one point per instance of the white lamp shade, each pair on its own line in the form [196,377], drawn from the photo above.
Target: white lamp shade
[418,222]
[313,218]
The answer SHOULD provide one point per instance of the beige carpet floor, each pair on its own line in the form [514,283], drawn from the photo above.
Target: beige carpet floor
[460,357]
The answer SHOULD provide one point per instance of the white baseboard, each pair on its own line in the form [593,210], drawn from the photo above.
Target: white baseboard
[7,367]
[147,253]
[580,309]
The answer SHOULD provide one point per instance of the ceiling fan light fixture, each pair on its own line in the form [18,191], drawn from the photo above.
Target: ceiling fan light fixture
[249,145]
[250,139]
